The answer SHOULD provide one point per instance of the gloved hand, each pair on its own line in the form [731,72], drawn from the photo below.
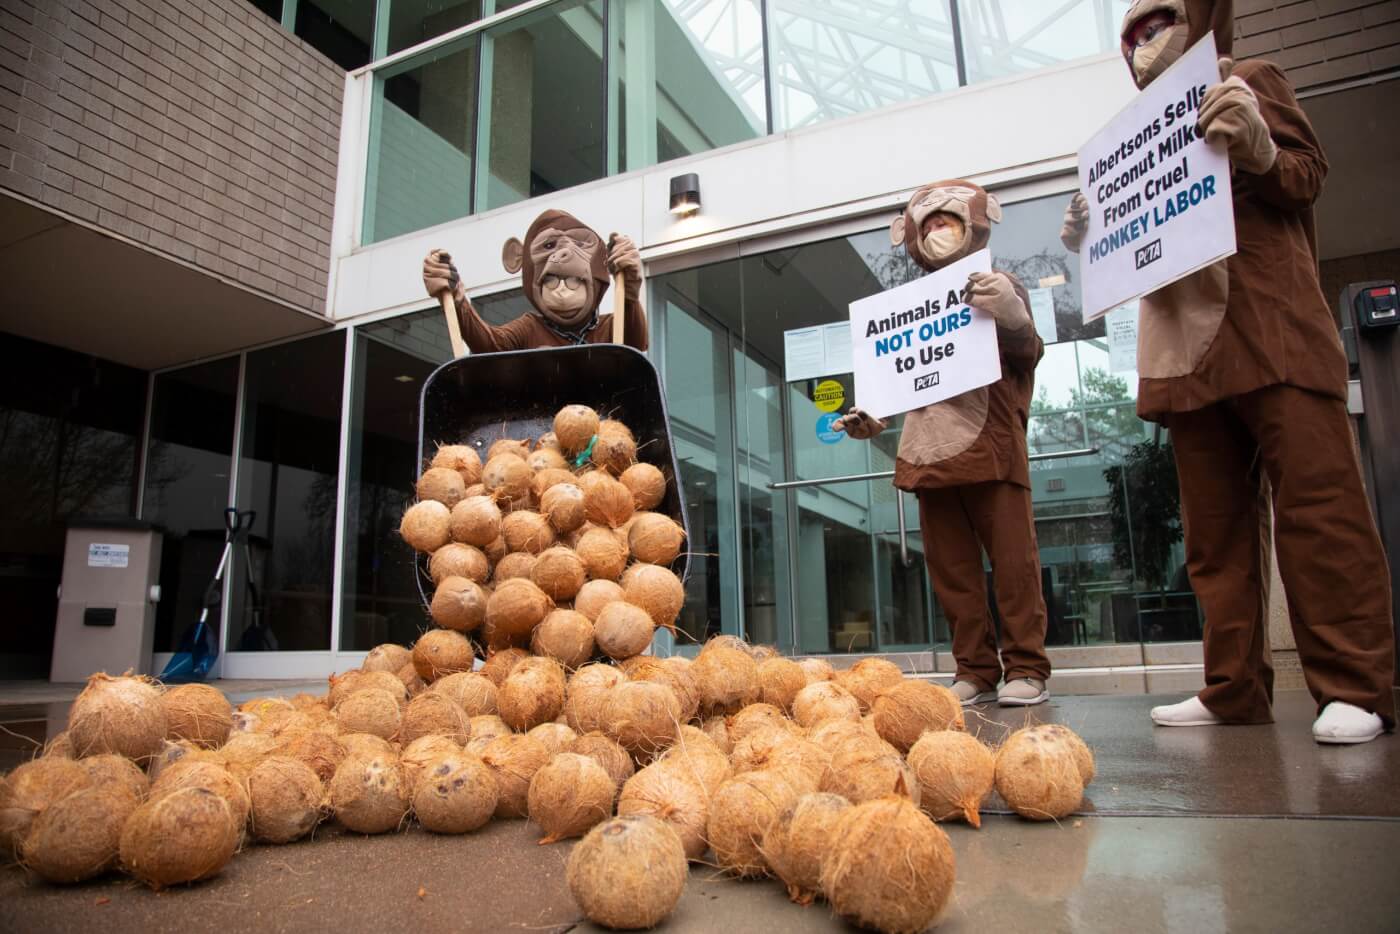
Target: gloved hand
[1230,114]
[439,276]
[859,424]
[993,293]
[624,258]
[1076,223]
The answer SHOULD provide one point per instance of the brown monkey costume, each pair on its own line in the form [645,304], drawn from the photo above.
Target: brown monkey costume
[1243,363]
[562,250]
[966,460]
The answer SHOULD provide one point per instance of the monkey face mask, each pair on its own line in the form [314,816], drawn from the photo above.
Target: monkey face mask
[1158,32]
[944,222]
[563,267]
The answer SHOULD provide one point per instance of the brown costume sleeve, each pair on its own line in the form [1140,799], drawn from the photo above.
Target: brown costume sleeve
[1021,348]
[1295,180]
[481,337]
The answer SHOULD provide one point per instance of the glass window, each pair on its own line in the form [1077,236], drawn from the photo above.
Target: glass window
[415,21]
[341,30]
[1003,37]
[288,471]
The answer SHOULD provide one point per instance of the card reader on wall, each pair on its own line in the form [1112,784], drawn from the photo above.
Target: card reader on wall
[1376,306]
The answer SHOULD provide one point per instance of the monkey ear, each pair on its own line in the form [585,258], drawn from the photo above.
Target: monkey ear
[897,230]
[993,209]
[513,255]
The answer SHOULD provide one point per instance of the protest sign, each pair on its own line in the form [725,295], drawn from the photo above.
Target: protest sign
[1159,196]
[919,343]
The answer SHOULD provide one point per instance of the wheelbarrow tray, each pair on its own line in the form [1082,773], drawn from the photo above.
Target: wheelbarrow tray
[479,399]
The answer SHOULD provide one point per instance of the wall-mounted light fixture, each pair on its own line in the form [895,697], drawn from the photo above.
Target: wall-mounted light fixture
[685,194]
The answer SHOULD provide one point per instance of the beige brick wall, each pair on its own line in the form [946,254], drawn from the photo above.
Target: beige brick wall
[1320,42]
[200,130]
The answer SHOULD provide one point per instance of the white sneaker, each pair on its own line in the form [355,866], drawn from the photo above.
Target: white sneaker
[1023,692]
[968,694]
[1190,712]
[1343,723]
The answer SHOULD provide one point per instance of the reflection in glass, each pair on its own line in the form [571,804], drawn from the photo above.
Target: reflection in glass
[1004,37]
[341,30]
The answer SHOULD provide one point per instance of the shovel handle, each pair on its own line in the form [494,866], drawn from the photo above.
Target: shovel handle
[619,321]
[454,328]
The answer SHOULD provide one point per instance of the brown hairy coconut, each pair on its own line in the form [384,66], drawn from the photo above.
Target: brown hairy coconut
[658,591]
[434,714]
[546,458]
[474,692]
[628,872]
[242,753]
[285,796]
[364,744]
[559,572]
[804,763]
[443,485]
[727,679]
[458,560]
[520,449]
[955,772]
[527,530]
[58,746]
[29,789]
[741,812]
[641,717]
[583,701]
[189,773]
[426,526]
[612,757]
[605,500]
[122,715]
[341,686]
[799,839]
[500,664]
[569,795]
[647,485]
[440,652]
[495,550]
[604,557]
[864,771]
[888,868]
[461,458]
[616,449]
[77,837]
[671,794]
[654,539]
[373,711]
[548,440]
[623,630]
[458,604]
[533,693]
[717,729]
[562,504]
[817,669]
[547,479]
[725,641]
[485,727]
[700,761]
[113,771]
[390,656]
[754,717]
[595,595]
[557,737]
[565,636]
[516,564]
[508,479]
[1083,757]
[170,754]
[318,751]
[456,795]
[779,680]
[516,607]
[265,706]
[837,733]
[184,836]
[1038,775]
[904,712]
[408,676]
[380,680]
[476,520]
[678,679]
[574,428]
[868,678]
[824,700]
[763,653]
[475,489]
[198,713]
[514,759]
[369,794]
[422,753]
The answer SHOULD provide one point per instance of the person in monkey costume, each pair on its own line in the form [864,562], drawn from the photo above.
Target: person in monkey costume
[966,460]
[1242,362]
[563,266]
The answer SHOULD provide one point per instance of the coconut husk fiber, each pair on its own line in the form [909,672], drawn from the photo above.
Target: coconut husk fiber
[454,559]
[865,771]
[389,656]
[440,652]
[641,717]
[559,572]
[485,727]
[727,679]
[1038,776]
[533,693]
[459,604]
[285,797]
[658,591]
[499,665]
[906,711]
[369,794]
[456,795]
[669,793]
[574,428]
[434,714]
[612,757]
[476,521]
[779,680]
[647,485]
[209,776]
[628,872]
[955,772]
[122,715]
[868,678]
[569,795]
[473,691]
[113,771]
[508,479]
[824,700]
[78,836]
[422,753]
[29,789]
[374,711]
[516,607]
[741,812]
[586,691]
[426,526]
[527,530]
[187,835]
[198,713]
[441,484]
[514,759]
[565,636]
[461,458]
[799,839]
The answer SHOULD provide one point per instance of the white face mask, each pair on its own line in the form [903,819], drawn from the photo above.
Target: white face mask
[1157,56]
[941,242]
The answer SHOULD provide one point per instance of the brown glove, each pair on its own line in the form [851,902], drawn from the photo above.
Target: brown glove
[1076,223]
[859,424]
[624,258]
[1230,114]
[993,293]
[439,276]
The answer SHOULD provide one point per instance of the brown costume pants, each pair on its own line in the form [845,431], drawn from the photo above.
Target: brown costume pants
[1329,554]
[957,523]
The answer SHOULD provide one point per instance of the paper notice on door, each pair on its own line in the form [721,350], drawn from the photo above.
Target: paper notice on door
[1121,325]
[823,350]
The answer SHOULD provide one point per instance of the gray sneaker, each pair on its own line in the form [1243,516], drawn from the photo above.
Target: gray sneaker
[968,694]
[1023,692]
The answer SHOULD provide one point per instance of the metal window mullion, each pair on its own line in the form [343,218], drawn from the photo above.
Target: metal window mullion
[289,16]
[481,141]
[236,459]
[959,58]
[342,476]
[767,66]
[379,44]
[142,460]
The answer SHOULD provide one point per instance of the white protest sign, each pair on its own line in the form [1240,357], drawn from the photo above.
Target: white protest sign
[1159,197]
[918,344]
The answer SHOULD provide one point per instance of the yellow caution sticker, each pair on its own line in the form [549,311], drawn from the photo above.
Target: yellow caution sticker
[829,395]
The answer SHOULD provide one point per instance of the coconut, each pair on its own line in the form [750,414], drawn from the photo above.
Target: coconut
[717,729]
[441,652]
[341,686]
[515,608]
[374,711]
[698,759]
[741,812]
[679,680]
[904,712]
[835,733]
[187,835]
[668,793]
[658,591]
[817,669]
[420,755]
[574,428]
[725,641]
[628,872]
[526,530]
[799,839]
[198,713]
[727,678]
[654,538]
[474,692]
[546,459]
[888,868]
[533,693]
[459,604]
[364,681]
[122,715]
[29,789]
[426,526]
[495,550]
[824,700]
[1083,756]
[612,757]
[547,479]
[209,776]
[58,746]
[603,556]
[390,656]
[508,479]
[559,572]
[583,701]
[779,680]
[754,717]
[516,564]
[565,636]
[318,751]
[457,560]
[569,795]
[265,706]
[605,500]
[562,504]
[443,485]
[242,753]
[408,677]
[113,771]
[461,458]
[369,794]
[476,521]
[623,630]
[499,665]
[647,485]
[1038,775]
[548,440]
[641,717]
[557,737]
[763,653]
[476,489]
[955,772]
[514,759]
[868,678]
[77,836]
[595,595]
[456,795]
[864,771]
[520,449]
[616,449]
[285,795]
[434,714]
[364,744]
[484,728]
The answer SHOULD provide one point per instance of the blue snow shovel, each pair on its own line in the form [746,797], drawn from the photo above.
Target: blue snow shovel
[199,646]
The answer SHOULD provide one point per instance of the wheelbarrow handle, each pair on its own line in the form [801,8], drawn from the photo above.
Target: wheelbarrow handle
[619,321]
[454,327]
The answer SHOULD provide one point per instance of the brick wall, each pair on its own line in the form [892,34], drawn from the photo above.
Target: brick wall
[201,130]
[1320,42]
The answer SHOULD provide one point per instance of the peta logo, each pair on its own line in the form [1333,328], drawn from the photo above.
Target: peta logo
[1146,256]
[927,381]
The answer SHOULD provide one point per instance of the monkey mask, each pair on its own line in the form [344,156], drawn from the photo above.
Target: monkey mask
[1158,32]
[563,268]
[944,222]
